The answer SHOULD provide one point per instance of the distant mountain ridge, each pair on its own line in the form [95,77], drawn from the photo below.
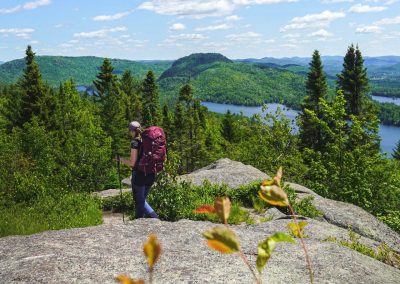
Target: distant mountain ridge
[384,73]
[82,70]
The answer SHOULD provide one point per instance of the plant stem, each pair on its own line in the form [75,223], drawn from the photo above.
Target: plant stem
[258,280]
[303,244]
[151,275]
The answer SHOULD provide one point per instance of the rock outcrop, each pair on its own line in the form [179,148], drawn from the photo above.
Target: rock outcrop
[97,254]
[226,171]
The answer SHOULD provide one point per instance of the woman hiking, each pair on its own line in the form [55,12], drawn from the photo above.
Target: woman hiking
[141,181]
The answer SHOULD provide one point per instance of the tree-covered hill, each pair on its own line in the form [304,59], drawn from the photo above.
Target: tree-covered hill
[82,70]
[218,79]
[383,71]
[190,66]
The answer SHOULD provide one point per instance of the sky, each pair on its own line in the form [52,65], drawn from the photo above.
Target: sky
[170,29]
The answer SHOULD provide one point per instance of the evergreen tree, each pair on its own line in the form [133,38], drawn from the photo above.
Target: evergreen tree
[179,132]
[396,151]
[167,121]
[151,105]
[228,126]
[186,95]
[83,156]
[112,106]
[105,81]
[32,86]
[353,80]
[310,134]
[133,103]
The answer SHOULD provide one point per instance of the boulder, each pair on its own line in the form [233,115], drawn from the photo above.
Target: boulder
[110,192]
[226,171]
[347,215]
[97,254]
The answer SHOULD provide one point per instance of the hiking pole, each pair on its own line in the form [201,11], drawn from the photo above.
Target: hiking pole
[120,187]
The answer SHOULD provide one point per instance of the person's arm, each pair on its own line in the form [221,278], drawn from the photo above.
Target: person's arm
[132,161]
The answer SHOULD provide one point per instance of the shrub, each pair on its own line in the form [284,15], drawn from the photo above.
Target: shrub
[50,213]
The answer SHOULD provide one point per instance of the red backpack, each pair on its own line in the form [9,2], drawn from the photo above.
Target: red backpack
[154,150]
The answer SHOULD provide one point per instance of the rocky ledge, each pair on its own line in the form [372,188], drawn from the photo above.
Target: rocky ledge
[97,254]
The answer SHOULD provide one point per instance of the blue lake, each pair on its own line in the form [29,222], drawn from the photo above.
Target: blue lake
[395,101]
[389,134]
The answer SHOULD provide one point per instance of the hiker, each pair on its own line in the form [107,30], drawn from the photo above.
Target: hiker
[147,159]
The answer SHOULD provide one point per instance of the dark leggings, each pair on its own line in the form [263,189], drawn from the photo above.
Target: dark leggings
[143,209]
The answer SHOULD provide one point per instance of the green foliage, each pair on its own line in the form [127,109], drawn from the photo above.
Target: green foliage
[248,84]
[118,204]
[396,153]
[353,81]
[152,114]
[392,219]
[266,248]
[316,86]
[83,70]
[304,206]
[384,253]
[50,212]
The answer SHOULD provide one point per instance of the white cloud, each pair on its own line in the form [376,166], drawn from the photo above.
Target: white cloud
[214,28]
[177,27]
[16,31]
[321,34]
[388,21]
[320,20]
[233,18]
[201,8]
[336,1]
[245,37]
[291,35]
[289,45]
[189,8]
[189,37]
[66,45]
[100,33]
[22,33]
[33,42]
[369,30]
[36,4]
[359,8]
[25,6]
[260,2]
[114,17]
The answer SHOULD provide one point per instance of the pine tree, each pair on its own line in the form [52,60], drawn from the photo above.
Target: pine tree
[228,127]
[316,86]
[133,103]
[179,132]
[112,106]
[167,123]
[105,81]
[353,80]
[32,87]
[151,102]
[396,151]
[83,157]
[186,95]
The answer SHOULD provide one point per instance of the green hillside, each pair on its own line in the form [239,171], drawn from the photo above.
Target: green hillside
[218,79]
[82,69]
[383,71]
